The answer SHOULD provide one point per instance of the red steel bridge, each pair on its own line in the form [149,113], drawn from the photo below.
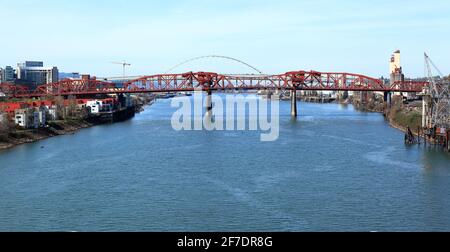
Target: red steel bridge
[209,81]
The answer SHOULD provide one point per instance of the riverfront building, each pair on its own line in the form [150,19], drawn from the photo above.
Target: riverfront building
[31,118]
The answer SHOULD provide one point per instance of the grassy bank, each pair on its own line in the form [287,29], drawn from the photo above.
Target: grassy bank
[399,115]
[402,116]
[405,119]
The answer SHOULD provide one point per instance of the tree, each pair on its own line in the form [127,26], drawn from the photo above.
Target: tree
[5,124]
[60,109]
[71,106]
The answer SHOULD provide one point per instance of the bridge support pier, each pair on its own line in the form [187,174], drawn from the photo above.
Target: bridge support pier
[424,113]
[209,106]
[363,96]
[388,98]
[294,102]
[426,105]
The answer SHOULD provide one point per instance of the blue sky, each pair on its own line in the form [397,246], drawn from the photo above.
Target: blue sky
[275,36]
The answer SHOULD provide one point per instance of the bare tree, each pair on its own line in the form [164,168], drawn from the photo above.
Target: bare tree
[72,106]
[60,110]
[5,125]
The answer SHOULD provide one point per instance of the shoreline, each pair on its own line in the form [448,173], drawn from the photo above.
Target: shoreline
[386,114]
[391,121]
[59,128]
[33,136]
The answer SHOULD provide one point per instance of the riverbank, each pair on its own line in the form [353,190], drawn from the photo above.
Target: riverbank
[63,127]
[55,128]
[399,115]
[403,118]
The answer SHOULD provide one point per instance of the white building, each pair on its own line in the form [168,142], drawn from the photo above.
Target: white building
[52,113]
[95,106]
[30,118]
[22,118]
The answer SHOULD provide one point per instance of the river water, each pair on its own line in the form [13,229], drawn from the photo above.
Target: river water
[332,169]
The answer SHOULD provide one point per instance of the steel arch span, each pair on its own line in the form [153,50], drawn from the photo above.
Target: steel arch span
[209,81]
[215,56]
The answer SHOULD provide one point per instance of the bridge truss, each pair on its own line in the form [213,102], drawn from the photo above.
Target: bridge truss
[209,81]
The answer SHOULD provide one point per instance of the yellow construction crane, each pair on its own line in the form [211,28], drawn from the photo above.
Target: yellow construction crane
[124,65]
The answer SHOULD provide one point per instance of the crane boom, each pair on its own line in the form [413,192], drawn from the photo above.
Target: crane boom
[124,65]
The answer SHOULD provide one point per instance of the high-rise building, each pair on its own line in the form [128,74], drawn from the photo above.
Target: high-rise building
[32,64]
[7,74]
[33,73]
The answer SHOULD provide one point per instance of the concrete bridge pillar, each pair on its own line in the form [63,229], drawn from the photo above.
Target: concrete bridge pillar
[363,96]
[388,98]
[426,104]
[294,102]
[424,112]
[447,139]
[209,105]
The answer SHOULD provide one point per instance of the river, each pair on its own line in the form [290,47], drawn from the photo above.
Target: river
[332,169]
